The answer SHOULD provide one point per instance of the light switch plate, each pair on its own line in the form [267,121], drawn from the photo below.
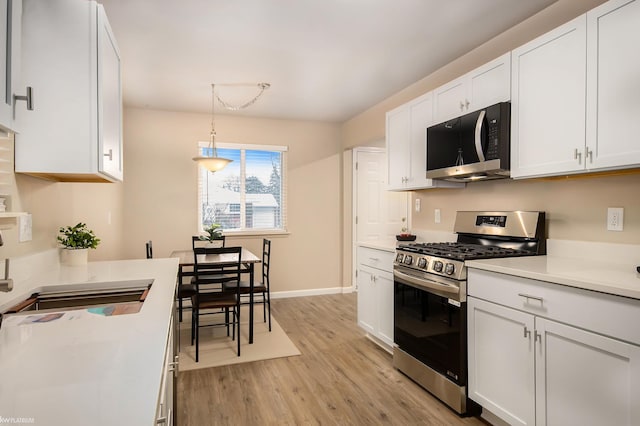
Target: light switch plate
[24,228]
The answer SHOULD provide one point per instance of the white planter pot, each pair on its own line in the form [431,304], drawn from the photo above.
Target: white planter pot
[74,257]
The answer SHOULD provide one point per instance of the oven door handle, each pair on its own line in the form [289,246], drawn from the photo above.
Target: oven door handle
[428,285]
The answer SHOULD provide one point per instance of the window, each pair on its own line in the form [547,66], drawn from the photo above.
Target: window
[248,194]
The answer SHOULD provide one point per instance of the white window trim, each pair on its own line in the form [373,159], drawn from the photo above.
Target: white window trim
[284,171]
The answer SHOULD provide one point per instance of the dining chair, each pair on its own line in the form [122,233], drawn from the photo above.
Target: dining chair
[187,290]
[259,288]
[209,299]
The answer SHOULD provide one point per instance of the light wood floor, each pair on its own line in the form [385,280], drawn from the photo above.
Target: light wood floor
[341,378]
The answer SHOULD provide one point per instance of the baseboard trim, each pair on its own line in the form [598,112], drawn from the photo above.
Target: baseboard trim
[310,292]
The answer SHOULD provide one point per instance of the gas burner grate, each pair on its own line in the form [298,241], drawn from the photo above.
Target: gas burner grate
[463,251]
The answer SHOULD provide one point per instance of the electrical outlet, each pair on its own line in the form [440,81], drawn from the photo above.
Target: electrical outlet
[436,215]
[615,218]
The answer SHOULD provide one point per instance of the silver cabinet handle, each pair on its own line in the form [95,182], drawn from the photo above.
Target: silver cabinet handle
[527,333]
[577,156]
[461,106]
[28,97]
[588,154]
[538,337]
[467,103]
[530,297]
[375,259]
[109,154]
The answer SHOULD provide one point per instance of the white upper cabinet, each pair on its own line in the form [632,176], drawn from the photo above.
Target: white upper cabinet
[407,145]
[548,102]
[10,22]
[71,60]
[576,97]
[613,88]
[484,86]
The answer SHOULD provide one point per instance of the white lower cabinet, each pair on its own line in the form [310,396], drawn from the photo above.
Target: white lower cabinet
[527,368]
[375,294]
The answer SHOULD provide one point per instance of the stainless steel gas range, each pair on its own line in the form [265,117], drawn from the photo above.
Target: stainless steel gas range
[430,295]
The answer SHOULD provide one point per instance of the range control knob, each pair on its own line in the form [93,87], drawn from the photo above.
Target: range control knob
[422,263]
[437,266]
[399,258]
[449,269]
[408,259]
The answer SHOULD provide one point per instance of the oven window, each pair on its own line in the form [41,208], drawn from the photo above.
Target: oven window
[432,330]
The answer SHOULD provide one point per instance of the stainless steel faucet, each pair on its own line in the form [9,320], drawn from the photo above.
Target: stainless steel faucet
[6,284]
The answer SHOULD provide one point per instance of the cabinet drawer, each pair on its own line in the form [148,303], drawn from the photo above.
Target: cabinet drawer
[379,259]
[606,314]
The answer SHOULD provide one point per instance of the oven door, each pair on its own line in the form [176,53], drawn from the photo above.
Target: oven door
[431,327]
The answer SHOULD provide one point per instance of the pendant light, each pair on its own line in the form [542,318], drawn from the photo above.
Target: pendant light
[212,162]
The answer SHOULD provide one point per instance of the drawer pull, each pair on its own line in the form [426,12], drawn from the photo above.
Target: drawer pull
[530,297]
[374,259]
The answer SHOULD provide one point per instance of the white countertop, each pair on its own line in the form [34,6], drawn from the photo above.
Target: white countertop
[94,370]
[610,277]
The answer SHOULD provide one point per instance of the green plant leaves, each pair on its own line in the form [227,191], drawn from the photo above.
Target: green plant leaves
[78,237]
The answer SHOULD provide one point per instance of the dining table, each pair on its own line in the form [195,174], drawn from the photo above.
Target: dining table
[248,259]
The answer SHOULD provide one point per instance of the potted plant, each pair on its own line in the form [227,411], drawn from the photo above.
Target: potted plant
[214,232]
[76,241]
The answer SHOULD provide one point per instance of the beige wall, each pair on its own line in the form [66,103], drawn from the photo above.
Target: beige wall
[160,190]
[576,207]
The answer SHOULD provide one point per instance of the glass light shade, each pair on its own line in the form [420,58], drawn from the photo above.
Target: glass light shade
[212,164]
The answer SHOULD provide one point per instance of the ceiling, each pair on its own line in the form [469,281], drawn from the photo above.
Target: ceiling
[326,60]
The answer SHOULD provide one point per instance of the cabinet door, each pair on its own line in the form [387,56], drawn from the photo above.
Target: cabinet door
[501,361]
[584,378]
[398,146]
[366,299]
[613,92]
[384,291]
[109,100]
[450,100]
[10,25]
[490,83]
[420,117]
[548,102]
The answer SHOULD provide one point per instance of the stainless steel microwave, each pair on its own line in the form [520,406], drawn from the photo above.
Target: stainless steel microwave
[472,147]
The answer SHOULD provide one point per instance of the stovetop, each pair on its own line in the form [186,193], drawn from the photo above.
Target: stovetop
[462,251]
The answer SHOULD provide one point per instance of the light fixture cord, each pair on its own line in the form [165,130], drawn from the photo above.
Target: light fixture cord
[262,86]
[212,135]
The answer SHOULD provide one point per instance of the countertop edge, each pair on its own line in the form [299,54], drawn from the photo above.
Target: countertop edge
[537,268]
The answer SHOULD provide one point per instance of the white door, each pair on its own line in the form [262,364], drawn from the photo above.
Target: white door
[584,378]
[379,213]
[613,91]
[548,99]
[501,361]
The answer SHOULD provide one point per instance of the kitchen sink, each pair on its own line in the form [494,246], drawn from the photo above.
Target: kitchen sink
[114,299]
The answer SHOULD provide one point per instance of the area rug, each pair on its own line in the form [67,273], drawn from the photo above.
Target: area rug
[217,349]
